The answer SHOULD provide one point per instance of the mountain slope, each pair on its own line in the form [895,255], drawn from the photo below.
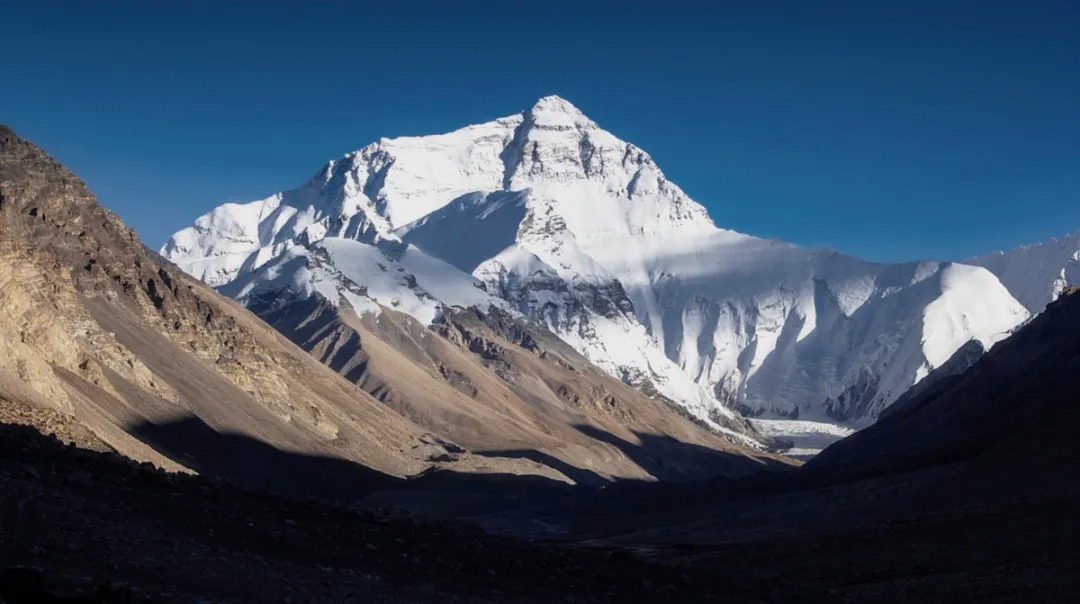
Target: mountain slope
[161,367]
[485,378]
[99,327]
[582,233]
[499,387]
[1014,409]
[1036,274]
[981,465]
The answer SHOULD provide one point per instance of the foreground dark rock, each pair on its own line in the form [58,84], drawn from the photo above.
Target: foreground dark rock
[90,520]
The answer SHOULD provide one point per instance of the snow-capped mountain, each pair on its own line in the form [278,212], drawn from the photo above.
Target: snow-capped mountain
[546,214]
[1036,274]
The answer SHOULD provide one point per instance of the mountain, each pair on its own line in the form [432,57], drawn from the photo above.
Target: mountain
[161,368]
[546,215]
[98,327]
[1000,435]
[1036,274]
[1014,407]
[965,491]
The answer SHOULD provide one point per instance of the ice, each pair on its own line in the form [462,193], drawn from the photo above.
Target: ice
[807,438]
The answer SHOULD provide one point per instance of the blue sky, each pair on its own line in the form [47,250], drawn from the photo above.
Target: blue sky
[894,132]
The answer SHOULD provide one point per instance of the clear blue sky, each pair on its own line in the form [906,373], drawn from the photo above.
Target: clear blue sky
[892,131]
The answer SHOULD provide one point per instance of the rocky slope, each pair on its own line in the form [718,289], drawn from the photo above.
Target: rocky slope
[160,367]
[499,386]
[558,220]
[100,328]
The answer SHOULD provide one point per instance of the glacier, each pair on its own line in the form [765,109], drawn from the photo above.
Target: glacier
[545,214]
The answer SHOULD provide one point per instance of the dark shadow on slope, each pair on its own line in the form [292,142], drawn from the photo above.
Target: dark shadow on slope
[90,519]
[1000,434]
[306,322]
[451,232]
[513,501]
[508,504]
[442,492]
[664,457]
[254,464]
[251,463]
[580,476]
[670,459]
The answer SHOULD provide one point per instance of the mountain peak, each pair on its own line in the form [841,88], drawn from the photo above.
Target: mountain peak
[554,104]
[551,213]
[557,113]
[9,138]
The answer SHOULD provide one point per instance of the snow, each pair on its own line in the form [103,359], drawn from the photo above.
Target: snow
[971,302]
[470,229]
[385,282]
[366,277]
[445,282]
[550,216]
[807,438]
[1036,274]
[425,173]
